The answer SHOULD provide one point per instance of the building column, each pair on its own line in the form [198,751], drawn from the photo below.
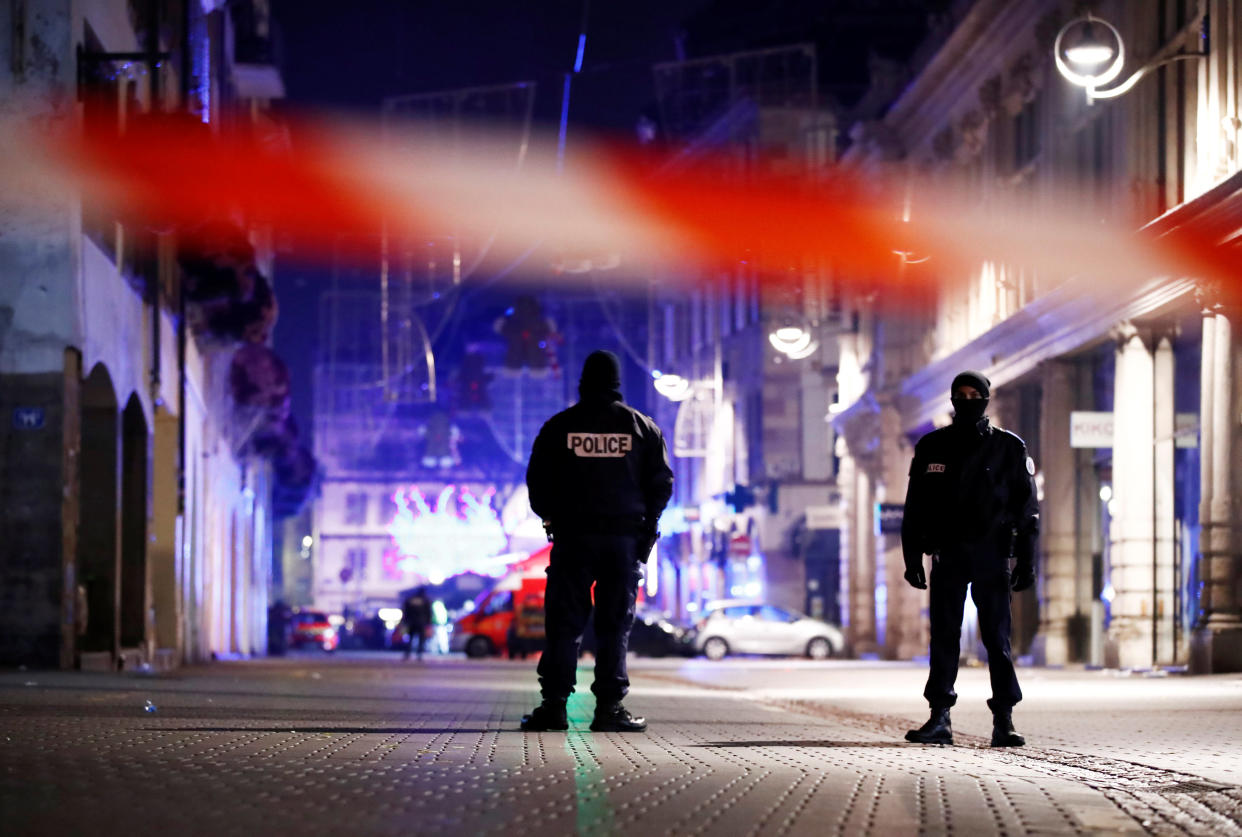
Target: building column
[1216,644]
[166,568]
[860,539]
[905,635]
[1164,481]
[1058,571]
[1131,534]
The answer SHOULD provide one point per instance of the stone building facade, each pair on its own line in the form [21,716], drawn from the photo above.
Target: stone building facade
[1128,402]
[135,517]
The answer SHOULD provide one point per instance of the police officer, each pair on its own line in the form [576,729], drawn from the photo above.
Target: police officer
[971,505]
[599,478]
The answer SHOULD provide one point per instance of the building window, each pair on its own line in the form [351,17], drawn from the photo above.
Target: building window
[356,563]
[356,509]
[386,510]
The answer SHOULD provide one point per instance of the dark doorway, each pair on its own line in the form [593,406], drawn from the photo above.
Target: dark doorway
[98,532]
[135,445]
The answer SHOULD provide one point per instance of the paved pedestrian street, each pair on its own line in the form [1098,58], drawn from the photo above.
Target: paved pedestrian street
[354,744]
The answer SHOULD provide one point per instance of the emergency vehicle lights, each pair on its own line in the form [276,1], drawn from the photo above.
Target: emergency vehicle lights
[452,537]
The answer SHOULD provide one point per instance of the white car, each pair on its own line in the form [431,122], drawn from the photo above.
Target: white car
[734,627]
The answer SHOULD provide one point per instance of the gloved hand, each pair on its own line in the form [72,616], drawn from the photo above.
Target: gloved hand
[915,576]
[1024,561]
[1023,576]
[646,543]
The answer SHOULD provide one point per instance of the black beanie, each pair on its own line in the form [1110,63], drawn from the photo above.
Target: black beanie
[970,378]
[600,373]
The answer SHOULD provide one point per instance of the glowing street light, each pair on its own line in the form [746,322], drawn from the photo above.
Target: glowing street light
[794,342]
[673,387]
[1087,44]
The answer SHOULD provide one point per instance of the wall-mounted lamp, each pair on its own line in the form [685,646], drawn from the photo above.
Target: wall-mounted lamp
[672,387]
[794,342]
[1090,53]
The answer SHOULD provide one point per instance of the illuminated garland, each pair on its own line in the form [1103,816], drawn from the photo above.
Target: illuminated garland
[434,543]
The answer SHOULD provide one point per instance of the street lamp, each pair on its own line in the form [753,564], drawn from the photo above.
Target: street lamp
[1087,44]
[794,342]
[671,386]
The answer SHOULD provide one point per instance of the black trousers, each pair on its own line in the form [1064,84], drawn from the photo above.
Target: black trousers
[952,572]
[610,562]
[418,639]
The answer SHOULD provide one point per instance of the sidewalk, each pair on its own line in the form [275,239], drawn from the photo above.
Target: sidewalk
[371,746]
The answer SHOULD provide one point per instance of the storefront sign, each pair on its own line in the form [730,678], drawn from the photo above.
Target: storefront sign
[1095,430]
[1091,430]
[29,418]
[888,518]
[824,517]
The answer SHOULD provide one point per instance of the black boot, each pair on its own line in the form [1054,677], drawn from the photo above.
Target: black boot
[1003,734]
[613,717]
[548,716]
[937,730]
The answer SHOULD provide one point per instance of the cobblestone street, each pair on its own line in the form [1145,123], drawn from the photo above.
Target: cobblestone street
[368,745]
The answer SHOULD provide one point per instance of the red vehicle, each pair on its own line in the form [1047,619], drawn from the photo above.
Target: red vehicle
[485,631]
[311,627]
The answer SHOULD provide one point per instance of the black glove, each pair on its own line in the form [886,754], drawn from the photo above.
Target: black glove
[646,543]
[1024,561]
[1023,576]
[915,576]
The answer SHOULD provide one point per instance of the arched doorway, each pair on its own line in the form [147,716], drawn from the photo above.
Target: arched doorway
[99,530]
[135,446]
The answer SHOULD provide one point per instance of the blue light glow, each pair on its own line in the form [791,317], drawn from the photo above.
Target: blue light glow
[581,52]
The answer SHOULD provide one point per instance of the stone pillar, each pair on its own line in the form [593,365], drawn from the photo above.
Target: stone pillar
[906,633]
[1131,534]
[862,635]
[1216,645]
[1058,559]
[166,570]
[1166,583]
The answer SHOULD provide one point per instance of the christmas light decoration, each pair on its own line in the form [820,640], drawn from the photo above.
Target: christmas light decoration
[460,533]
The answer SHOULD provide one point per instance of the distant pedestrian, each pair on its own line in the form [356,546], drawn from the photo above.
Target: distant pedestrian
[416,619]
[599,478]
[279,619]
[971,504]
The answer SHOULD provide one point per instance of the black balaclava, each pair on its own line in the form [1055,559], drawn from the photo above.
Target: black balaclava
[969,411]
[601,375]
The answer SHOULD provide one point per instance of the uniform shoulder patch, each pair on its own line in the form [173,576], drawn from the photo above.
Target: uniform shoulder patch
[935,468]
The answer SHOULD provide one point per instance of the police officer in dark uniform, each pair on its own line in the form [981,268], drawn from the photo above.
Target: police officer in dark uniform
[599,477]
[971,505]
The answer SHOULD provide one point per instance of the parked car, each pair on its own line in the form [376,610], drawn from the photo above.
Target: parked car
[736,627]
[312,627]
[651,636]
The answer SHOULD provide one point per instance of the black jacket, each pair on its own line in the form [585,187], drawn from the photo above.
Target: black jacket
[970,485]
[599,461]
[416,611]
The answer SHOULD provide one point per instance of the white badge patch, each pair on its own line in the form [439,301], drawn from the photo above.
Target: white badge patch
[610,445]
[1030,466]
[935,468]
